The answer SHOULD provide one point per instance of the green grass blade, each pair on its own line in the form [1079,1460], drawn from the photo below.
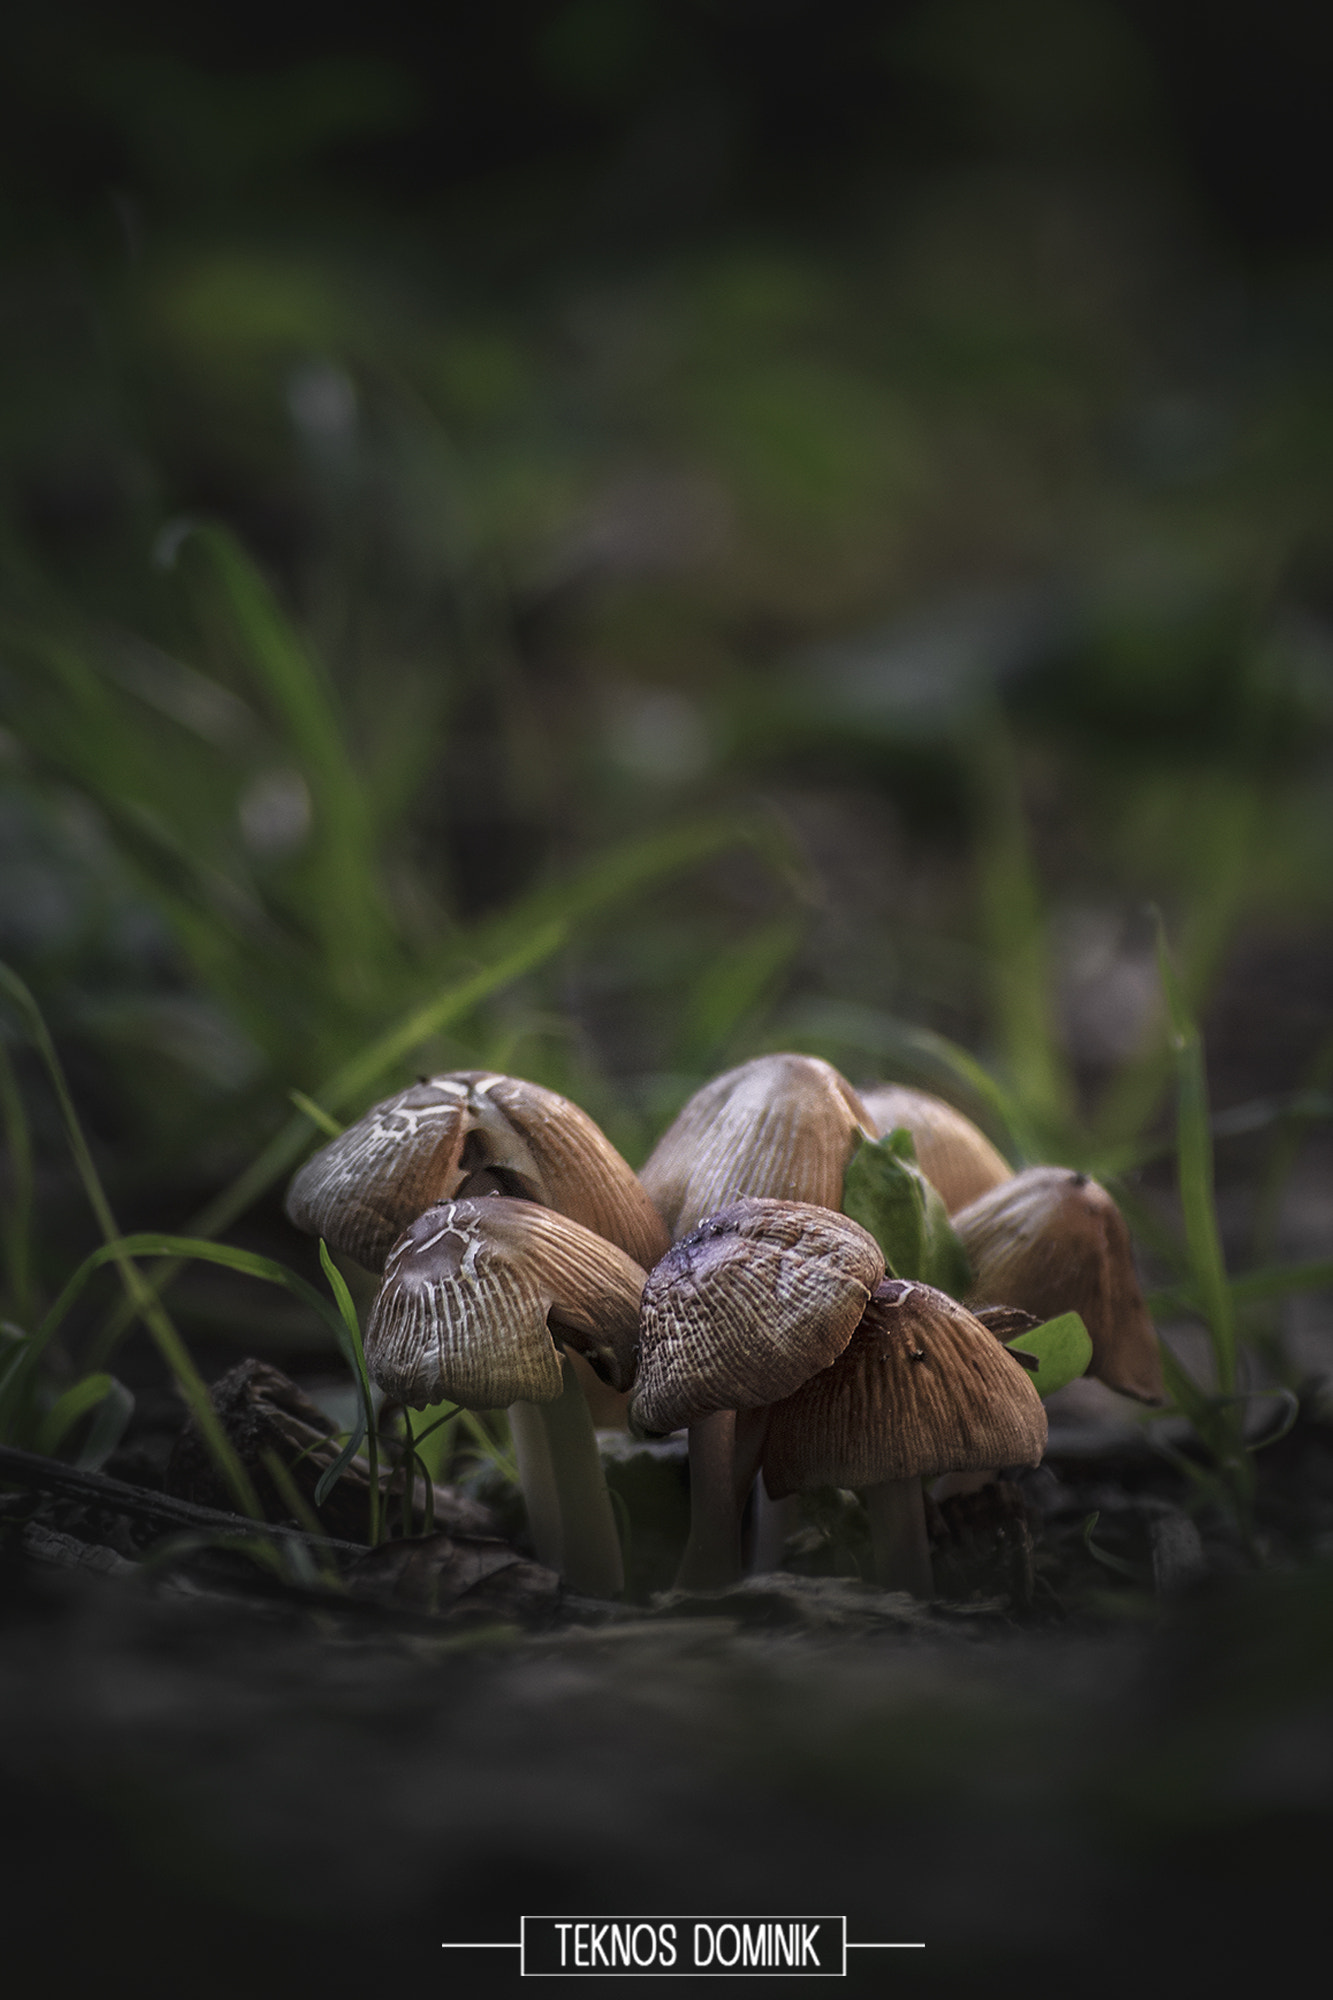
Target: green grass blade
[331,1474]
[110,1422]
[316,1113]
[150,1243]
[1195,1145]
[16,1219]
[1013,924]
[354,1350]
[349,908]
[65,1412]
[144,1301]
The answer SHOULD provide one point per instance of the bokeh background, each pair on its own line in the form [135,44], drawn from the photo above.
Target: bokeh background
[826,505]
[597,538]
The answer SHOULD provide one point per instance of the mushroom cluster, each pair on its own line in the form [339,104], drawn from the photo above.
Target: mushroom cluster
[511,1234]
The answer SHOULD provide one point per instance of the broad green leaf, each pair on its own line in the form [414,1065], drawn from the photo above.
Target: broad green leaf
[887,1193]
[1062,1348]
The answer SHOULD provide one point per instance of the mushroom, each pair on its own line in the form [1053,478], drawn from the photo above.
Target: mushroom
[467,1133]
[737,1315]
[478,1298]
[953,1154]
[922,1387]
[1053,1241]
[782,1126]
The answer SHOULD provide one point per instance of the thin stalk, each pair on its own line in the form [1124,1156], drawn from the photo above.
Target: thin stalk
[590,1546]
[898,1536]
[712,1558]
[536,1478]
[725,1449]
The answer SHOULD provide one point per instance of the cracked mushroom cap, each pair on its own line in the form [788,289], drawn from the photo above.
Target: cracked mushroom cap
[920,1388]
[953,1154]
[744,1308]
[477,1293]
[469,1133]
[782,1126]
[1053,1241]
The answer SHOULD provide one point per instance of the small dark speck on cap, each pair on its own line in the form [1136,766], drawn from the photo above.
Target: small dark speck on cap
[1078,1180]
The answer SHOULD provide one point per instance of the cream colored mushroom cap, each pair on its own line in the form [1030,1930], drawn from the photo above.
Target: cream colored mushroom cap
[953,1154]
[782,1126]
[470,1132]
[1052,1241]
[743,1309]
[921,1388]
[472,1292]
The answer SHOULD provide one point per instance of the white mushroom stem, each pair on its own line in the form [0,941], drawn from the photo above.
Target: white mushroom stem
[564,1490]
[536,1478]
[898,1537]
[724,1456]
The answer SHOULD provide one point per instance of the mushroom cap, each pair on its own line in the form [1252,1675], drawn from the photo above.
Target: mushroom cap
[464,1133]
[469,1288]
[782,1126]
[953,1154]
[1053,1241]
[921,1387]
[743,1309]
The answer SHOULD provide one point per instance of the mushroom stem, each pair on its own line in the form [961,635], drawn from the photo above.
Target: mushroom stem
[536,1478]
[712,1557]
[590,1557]
[725,1449]
[898,1536]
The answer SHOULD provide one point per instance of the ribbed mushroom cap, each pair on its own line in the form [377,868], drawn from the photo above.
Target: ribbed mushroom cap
[469,1132]
[1053,1241]
[920,1388]
[745,1307]
[782,1126]
[955,1157]
[469,1288]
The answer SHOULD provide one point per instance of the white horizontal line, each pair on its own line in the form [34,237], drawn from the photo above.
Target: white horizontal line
[884,1947]
[515,1946]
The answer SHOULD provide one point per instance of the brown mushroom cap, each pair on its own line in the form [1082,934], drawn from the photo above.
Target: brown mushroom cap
[920,1388]
[470,1132]
[744,1308]
[1053,1241]
[955,1157]
[469,1287]
[782,1126]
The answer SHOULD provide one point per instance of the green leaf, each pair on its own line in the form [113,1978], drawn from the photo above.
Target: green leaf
[1062,1348]
[887,1193]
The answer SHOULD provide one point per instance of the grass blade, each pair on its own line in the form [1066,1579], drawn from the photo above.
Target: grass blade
[16,1221]
[1195,1145]
[144,1301]
[355,1353]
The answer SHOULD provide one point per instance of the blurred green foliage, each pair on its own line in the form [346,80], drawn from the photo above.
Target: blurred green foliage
[812,503]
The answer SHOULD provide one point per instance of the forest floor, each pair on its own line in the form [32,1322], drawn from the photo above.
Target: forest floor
[228,1783]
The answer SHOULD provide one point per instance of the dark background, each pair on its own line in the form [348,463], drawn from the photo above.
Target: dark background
[835,505]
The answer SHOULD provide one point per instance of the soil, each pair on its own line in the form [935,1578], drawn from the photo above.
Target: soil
[222,1782]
